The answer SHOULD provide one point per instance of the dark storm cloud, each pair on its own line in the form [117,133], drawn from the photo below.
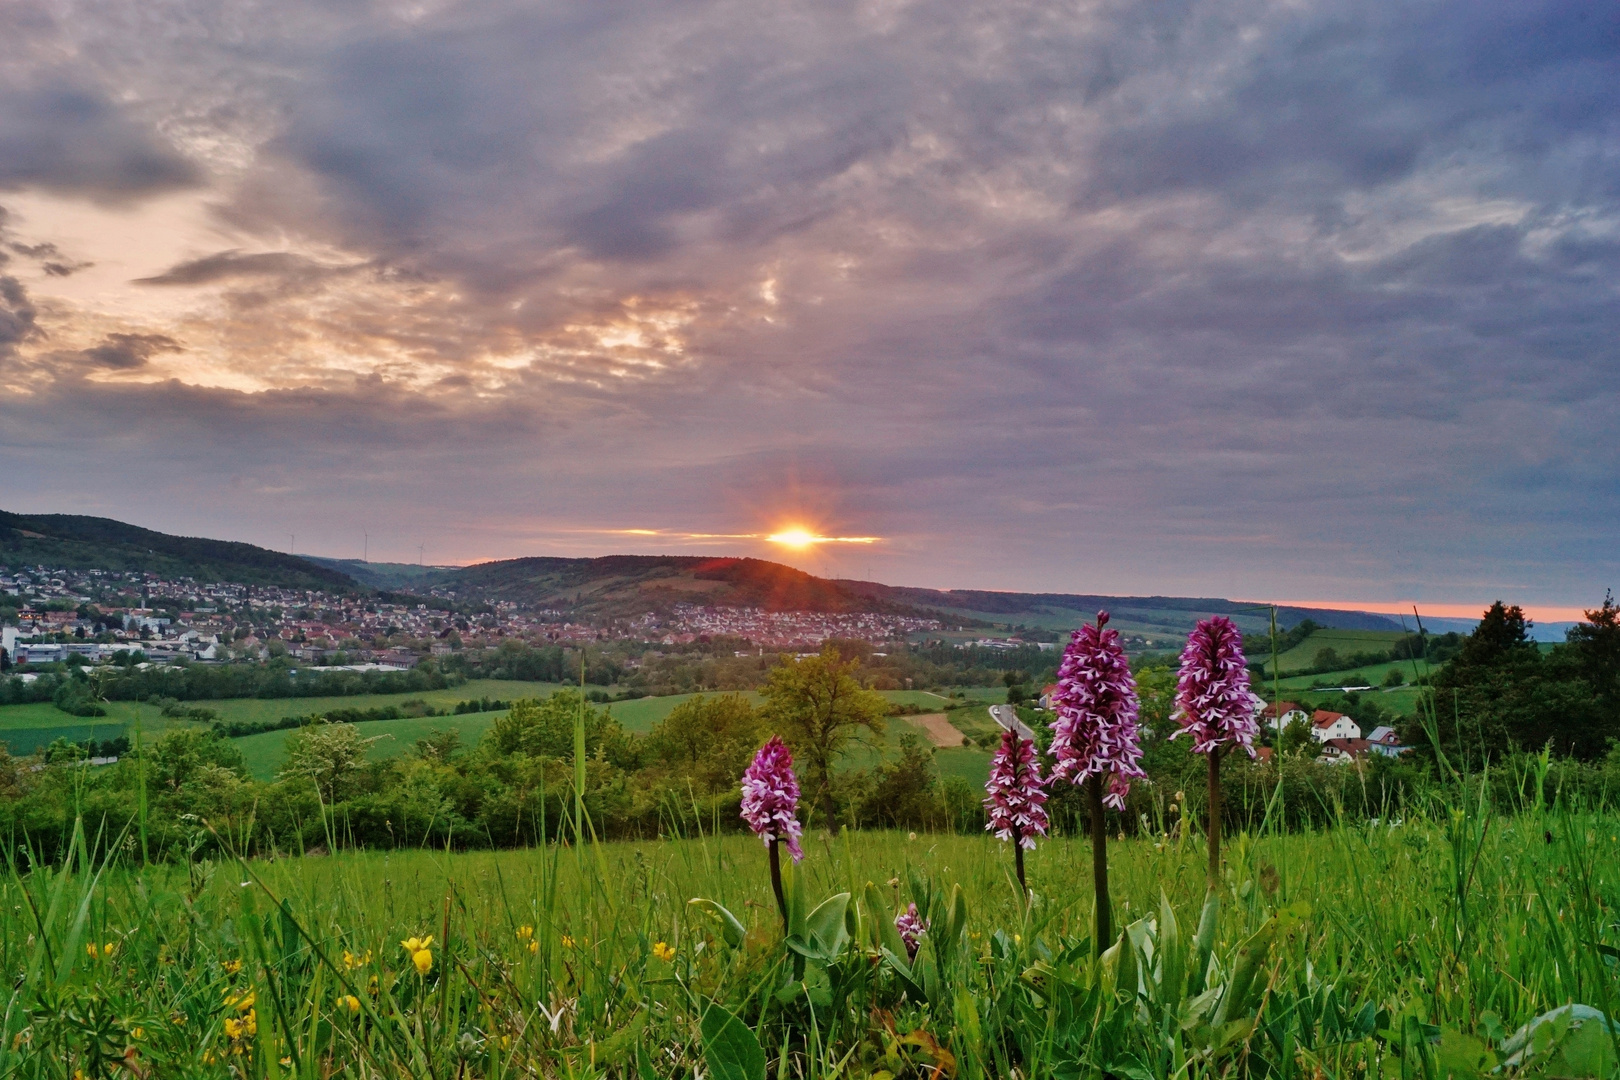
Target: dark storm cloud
[1054,290]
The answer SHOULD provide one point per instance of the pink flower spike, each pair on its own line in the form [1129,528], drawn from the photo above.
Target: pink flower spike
[1214,704]
[911,926]
[1095,731]
[770,797]
[1017,792]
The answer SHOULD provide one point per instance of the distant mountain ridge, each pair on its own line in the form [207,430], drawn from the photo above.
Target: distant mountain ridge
[617,586]
[70,541]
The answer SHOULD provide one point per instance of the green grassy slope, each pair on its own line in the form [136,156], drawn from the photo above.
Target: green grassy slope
[1343,642]
[24,728]
[265,751]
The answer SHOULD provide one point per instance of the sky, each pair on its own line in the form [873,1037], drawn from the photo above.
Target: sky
[1304,300]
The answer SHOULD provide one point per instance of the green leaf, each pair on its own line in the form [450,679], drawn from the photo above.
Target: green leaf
[793,892]
[732,930]
[1461,1056]
[825,926]
[1243,991]
[1204,942]
[731,1051]
[955,917]
[908,977]
[887,937]
[1172,977]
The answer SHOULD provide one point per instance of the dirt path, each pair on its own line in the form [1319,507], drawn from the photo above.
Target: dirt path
[939,730]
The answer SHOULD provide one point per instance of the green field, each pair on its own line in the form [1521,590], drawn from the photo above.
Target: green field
[25,727]
[264,752]
[1360,952]
[1344,642]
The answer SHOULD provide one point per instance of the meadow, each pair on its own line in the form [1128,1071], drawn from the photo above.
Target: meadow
[1344,642]
[265,751]
[1397,949]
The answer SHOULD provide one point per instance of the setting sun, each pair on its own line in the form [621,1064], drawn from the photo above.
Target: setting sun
[800,538]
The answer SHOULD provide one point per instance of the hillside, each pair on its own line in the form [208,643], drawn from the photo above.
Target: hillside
[621,585]
[68,541]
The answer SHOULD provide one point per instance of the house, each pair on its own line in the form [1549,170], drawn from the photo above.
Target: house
[1327,725]
[1045,701]
[1340,751]
[1264,753]
[1279,715]
[1383,740]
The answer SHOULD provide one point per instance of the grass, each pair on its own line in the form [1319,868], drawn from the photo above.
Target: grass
[1404,950]
[265,751]
[1343,642]
[25,728]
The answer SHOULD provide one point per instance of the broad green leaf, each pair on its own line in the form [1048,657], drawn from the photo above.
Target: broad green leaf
[732,930]
[731,1051]
[825,926]
[1204,942]
[1461,1056]
[1172,977]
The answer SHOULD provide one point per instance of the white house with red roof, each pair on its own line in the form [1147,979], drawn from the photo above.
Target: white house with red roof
[1279,715]
[1327,725]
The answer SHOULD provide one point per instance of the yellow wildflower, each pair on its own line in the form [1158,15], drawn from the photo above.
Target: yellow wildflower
[234,1027]
[355,960]
[233,967]
[350,1002]
[423,959]
[534,947]
[568,942]
[92,951]
[663,951]
[524,933]
[416,945]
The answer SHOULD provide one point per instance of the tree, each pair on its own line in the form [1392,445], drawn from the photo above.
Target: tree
[331,755]
[708,740]
[182,753]
[1594,647]
[907,788]
[1296,739]
[817,706]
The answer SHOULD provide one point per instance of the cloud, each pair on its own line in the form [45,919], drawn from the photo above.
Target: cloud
[226,265]
[61,135]
[17,316]
[1054,296]
[124,352]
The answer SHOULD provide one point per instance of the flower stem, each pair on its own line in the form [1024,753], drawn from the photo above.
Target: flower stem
[1018,861]
[1099,864]
[776,884]
[1214,819]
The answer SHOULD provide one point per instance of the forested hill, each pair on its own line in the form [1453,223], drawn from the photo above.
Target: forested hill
[68,541]
[1161,613]
[619,585]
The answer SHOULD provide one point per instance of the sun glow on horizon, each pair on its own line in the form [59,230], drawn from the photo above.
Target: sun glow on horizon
[799,538]
[792,537]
